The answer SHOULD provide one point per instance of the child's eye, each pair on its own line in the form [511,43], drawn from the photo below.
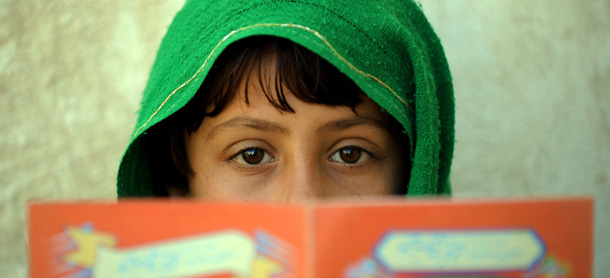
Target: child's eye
[251,156]
[350,155]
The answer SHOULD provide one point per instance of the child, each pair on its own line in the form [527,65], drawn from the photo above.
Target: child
[289,100]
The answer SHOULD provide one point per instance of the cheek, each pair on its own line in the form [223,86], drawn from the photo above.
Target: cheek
[211,184]
[222,184]
[202,186]
[398,177]
[208,179]
[389,177]
[388,180]
[380,180]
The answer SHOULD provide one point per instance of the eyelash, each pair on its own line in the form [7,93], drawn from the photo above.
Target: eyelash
[252,167]
[247,166]
[354,165]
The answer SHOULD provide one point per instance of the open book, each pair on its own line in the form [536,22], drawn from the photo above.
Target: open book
[384,238]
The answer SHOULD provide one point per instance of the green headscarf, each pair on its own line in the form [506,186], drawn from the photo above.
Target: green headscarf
[386,47]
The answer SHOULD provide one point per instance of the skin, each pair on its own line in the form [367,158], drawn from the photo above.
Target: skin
[297,156]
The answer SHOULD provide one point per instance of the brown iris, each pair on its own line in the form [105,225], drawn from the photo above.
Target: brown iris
[253,156]
[350,155]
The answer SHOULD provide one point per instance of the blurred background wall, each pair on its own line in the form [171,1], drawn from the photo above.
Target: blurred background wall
[532,83]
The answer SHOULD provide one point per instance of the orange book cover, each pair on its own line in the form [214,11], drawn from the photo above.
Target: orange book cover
[371,239]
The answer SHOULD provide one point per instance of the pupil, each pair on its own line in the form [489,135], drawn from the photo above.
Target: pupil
[253,156]
[350,155]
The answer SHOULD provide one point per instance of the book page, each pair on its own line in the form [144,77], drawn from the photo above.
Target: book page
[166,239]
[372,239]
[493,238]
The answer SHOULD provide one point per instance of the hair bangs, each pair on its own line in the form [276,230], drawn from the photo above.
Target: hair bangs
[279,66]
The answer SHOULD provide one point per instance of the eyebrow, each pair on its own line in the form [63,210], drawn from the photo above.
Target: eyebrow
[257,124]
[264,125]
[352,122]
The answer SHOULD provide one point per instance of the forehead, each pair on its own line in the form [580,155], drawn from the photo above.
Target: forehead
[277,65]
[259,113]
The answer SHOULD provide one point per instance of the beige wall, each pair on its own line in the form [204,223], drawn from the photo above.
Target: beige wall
[532,83]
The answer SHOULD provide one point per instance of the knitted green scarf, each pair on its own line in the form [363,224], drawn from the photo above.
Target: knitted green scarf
[386,47]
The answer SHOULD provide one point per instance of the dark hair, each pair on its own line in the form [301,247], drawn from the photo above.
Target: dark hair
[303,73]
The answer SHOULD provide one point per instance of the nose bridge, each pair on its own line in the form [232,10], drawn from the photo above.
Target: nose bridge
[303,178]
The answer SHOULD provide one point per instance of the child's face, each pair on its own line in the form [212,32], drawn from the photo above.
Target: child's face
[255,152]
